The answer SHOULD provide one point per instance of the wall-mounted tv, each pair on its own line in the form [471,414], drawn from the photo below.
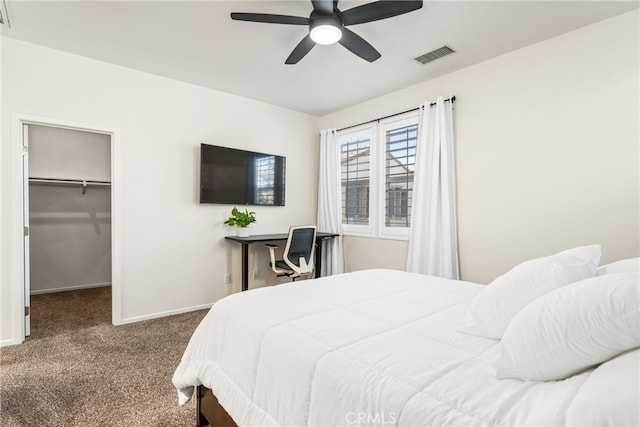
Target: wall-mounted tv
[239,177]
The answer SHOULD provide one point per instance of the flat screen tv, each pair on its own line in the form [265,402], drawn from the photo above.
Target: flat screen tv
[239,177]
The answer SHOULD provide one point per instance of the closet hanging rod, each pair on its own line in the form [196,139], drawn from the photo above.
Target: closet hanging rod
[70,182]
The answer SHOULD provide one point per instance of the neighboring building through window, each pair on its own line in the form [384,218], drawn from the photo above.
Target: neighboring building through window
[355,162]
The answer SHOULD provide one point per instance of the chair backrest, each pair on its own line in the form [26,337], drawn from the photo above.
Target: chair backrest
[299,252]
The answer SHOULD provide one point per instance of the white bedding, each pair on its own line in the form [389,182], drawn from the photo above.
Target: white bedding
[376,347]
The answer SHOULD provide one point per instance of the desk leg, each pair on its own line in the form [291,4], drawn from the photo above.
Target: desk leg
[318,257]
[245,267]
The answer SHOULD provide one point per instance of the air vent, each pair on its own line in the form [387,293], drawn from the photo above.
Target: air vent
[434,54]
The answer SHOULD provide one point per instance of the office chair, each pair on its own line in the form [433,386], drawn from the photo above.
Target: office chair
[299,253]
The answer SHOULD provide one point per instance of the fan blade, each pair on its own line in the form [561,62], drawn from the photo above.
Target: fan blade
[324,7]
[358,45]
[301,50]
[378,10]
[270,19]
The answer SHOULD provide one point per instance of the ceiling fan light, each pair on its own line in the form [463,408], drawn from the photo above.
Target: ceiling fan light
[325,34]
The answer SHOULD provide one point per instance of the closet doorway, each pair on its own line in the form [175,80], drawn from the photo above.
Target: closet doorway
[67,211]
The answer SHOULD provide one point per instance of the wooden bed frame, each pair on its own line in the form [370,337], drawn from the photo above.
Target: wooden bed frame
[210,411]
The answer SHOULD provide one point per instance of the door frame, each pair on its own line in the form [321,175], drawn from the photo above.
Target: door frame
[18,120]
[26,239]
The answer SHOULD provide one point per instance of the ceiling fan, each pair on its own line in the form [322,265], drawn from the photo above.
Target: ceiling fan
[327,25]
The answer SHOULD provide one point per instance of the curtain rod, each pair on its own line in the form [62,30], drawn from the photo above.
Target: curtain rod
[452,99]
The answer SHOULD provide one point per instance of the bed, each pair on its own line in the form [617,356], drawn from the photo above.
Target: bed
[376,347]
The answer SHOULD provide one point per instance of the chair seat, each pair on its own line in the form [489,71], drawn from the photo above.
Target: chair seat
[282,265]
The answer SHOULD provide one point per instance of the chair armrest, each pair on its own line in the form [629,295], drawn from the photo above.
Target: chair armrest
[272,254]
[304,267]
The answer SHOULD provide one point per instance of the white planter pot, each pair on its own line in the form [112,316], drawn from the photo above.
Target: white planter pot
[242,231]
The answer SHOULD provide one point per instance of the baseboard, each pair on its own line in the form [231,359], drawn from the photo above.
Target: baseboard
[165,313]
[70,288]
[6,343]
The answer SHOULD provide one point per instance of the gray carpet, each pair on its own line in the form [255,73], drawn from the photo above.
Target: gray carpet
[76,369]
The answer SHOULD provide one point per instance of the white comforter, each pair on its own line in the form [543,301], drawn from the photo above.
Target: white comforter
[375,347]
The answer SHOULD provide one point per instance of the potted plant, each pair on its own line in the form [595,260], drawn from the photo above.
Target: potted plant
[241,220]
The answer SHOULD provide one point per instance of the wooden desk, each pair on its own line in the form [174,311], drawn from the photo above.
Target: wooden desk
[260,238]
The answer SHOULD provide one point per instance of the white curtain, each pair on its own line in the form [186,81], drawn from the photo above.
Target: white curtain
[330,202]
[433,240]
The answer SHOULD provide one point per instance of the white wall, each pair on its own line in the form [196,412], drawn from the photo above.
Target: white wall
[69,237]
[547,151]
[174,256]
[58,153]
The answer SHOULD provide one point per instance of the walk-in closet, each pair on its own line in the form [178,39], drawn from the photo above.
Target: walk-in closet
[69,210]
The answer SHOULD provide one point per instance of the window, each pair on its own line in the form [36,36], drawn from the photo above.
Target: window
[356,180]
[400,140]
[265,172]
[393,141]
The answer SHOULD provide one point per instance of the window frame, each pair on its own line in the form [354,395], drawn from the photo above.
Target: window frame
[368,130]
[402,120]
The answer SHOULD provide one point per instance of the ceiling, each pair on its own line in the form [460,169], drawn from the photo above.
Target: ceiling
[197,42]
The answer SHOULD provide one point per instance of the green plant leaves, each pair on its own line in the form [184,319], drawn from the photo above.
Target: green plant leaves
[241,219]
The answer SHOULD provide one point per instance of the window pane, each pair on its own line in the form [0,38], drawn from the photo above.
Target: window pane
[400,161]
[265,179]
[355,180]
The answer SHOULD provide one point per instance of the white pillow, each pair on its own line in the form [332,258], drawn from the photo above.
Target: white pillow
[571,329]
[610,395]
[492,309]
[630,265]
